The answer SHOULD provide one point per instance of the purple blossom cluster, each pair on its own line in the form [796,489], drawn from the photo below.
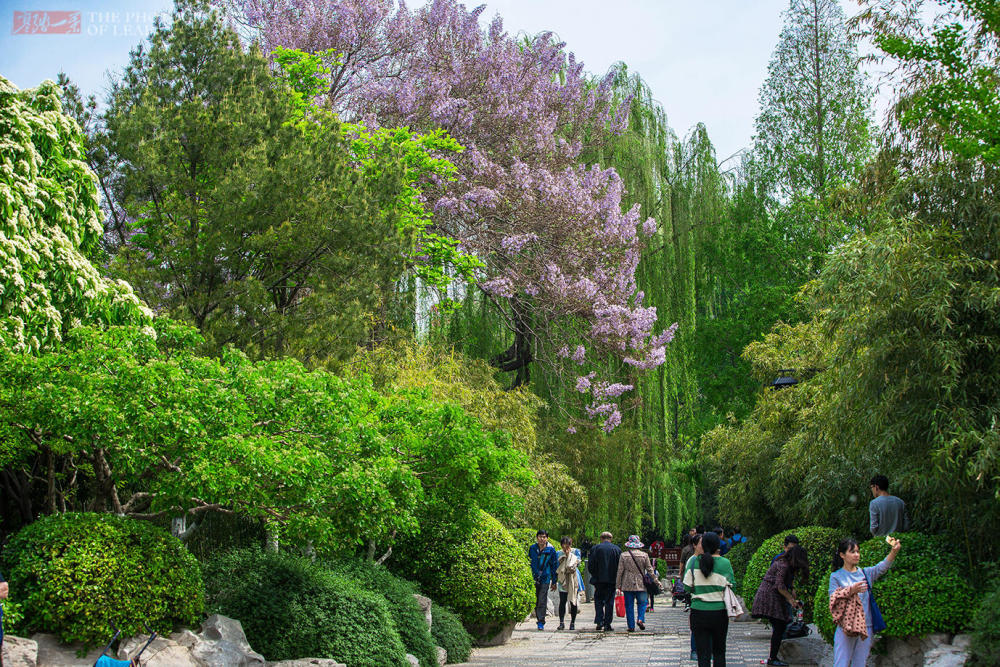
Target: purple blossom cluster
[550,229]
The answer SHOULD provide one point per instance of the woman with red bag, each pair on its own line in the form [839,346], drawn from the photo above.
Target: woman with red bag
[631,568]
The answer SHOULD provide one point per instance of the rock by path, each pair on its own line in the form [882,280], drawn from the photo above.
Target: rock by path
[665,643]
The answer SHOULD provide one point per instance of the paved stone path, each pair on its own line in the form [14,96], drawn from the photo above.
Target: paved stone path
[665,643]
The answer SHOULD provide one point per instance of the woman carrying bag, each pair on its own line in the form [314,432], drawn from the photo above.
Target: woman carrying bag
[852,605]
[634,569]
[774,596]
[570,582]
[707,579]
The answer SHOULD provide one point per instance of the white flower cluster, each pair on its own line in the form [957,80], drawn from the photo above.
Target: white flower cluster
[48,211]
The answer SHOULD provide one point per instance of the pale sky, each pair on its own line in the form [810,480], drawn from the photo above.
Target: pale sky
[704,61]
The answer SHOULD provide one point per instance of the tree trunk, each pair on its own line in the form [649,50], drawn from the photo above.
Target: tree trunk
[17,486]
[50,478]
[518,356]
[820,175]
[105,481]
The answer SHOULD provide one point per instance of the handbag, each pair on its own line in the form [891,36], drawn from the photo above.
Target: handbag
[620,605]
[734,607]
[796,629]
[878,623]
[648,580]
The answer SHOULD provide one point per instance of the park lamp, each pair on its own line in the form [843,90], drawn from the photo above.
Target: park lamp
[784,379]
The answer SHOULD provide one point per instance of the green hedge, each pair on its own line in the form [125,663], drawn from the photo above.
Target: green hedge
[292,608]
[406,613]
[923,593]
[740,556]
[986,625]
[74,573]
[449,634]
[489,579]
[818,541]
[482,575]
[12,614]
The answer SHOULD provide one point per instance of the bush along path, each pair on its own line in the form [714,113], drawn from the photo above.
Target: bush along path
[664,643]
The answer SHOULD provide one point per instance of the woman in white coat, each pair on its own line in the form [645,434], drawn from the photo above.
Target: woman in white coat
[570,582]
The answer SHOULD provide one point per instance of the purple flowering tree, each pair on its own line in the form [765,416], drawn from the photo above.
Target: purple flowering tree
[560,254]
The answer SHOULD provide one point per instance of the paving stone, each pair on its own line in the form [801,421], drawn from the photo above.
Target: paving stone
[664,643]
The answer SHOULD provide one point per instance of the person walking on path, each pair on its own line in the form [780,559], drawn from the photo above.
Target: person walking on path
[790,541]
[849,584]
[4,590]
[603,569]
[774,596]
[652,591]
[633,564]
[543,568]
[570,582]
[724,544]
[693,551]
[887,514]
[707,583]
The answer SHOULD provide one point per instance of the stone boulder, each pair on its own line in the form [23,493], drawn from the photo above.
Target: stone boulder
[442,656]
[162,652]
[900,652]
[19,652]
[222,643]
[425,604]
[945,656]
[808,650]
[491,634]
[413,660]
[53,654]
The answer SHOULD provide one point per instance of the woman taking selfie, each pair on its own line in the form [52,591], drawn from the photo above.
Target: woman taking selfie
[850,602]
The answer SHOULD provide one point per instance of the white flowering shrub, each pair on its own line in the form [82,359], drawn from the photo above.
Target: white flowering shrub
[49,223]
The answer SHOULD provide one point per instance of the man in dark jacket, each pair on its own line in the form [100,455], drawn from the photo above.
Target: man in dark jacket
[603,569]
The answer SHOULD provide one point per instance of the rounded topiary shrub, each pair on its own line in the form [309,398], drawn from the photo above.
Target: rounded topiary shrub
[293,608]
[818,541]
[924,592]
[450,634]
[485,577]
[407,614]
[74,573]
[739,556]
[985,645]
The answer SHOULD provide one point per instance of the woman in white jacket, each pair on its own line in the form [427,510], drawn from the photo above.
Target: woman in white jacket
[570,582]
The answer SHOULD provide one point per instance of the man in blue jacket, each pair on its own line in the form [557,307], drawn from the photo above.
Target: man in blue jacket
[544,562]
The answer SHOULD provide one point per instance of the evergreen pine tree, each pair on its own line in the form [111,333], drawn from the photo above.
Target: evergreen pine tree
[814,129]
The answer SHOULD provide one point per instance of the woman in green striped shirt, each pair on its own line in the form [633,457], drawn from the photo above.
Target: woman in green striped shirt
[706,579]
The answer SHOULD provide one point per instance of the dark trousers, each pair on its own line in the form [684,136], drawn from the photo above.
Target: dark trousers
[604,604]
[709,629]
[541,600]
[563,597]
[777,633]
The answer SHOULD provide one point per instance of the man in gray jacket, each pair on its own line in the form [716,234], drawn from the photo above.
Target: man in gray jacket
[887,513]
